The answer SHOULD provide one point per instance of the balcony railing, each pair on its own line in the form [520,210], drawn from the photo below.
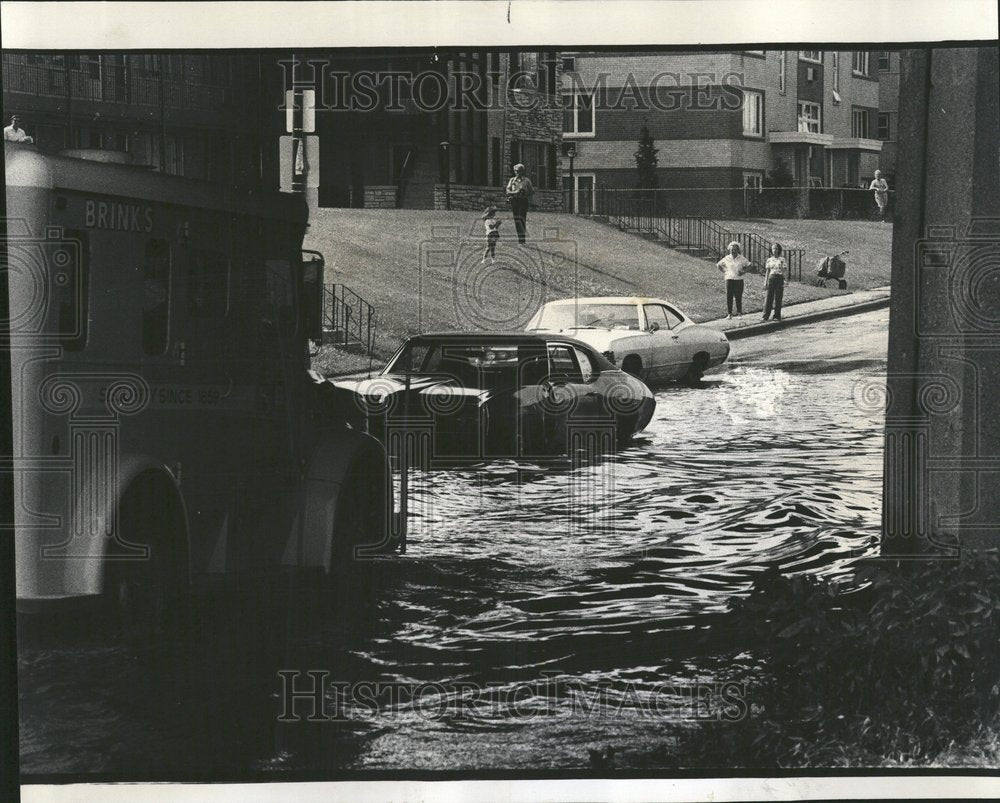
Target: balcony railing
[111,83]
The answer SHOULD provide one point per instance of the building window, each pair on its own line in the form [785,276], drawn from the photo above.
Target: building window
[884,126]
[569,63]
[811,55]
[539,163]
[883,61]
[755,52]
[548,72]
[578,115]
[836,72]
[859,62]
[753,113]
[810,117]
[859,123]
[527,66]
[753,181]
[782,62]
[156,298]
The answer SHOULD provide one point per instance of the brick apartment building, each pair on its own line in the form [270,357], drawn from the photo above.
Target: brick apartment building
[721,119]
[187,115]
[432,128]
[888,111]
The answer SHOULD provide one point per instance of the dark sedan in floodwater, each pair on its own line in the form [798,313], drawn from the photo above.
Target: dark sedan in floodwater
[476,394]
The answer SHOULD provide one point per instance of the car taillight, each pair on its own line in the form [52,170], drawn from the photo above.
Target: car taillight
[609,356]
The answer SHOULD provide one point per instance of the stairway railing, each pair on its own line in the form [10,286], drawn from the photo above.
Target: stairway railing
[348,318]
[643,214]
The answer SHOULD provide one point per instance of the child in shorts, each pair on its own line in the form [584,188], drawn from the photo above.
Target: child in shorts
[492,223]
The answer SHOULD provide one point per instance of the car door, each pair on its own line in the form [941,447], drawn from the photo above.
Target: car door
[684,340]
[665,347]
[571,402]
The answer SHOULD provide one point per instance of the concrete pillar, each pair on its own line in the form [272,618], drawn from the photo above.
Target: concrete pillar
[942,459]
[802,179]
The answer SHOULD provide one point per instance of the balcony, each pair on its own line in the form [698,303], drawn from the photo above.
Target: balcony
[110,84]
[857,143]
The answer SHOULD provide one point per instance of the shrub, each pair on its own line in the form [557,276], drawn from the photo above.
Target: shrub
[900,670]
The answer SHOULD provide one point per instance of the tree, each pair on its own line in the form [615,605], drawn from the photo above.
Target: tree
[646,161]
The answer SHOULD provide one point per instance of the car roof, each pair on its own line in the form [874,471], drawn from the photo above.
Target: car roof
[609,300]
[479,337]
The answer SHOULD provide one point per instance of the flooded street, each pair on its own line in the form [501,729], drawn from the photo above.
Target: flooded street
[539,612]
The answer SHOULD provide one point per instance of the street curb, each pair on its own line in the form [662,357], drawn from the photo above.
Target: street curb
[808,317]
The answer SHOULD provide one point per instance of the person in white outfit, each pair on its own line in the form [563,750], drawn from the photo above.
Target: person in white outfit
[881,189]
[733,265]
[14,132]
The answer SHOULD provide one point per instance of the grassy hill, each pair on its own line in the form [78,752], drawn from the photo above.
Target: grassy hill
[422,269]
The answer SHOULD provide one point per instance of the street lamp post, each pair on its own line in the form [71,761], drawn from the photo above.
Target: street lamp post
[447,174]
[569,149]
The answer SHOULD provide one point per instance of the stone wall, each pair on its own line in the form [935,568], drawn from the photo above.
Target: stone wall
[380,196]
[473,198]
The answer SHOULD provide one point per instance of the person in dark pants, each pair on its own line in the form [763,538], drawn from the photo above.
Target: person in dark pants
[519,192]
[774,281]
[733,265]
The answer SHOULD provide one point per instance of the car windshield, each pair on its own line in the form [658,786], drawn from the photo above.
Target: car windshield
[589,316]
[472,364]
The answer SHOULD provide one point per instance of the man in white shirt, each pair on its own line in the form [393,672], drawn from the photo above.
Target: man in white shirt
[14,132]
[733,265]
[519,192]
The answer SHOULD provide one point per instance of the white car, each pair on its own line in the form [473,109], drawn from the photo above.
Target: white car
[646,337]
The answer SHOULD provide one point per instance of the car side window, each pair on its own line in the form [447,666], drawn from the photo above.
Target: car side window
[587,369]
[674,318]
[655,314]
[563,364]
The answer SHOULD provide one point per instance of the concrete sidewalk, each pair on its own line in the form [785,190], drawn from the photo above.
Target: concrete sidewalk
[807,312]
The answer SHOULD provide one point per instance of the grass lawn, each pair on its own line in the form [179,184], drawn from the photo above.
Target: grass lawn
[422,270]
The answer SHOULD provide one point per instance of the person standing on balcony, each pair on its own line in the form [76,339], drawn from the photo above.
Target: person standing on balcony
[774,282]
[14,132]
[733,265]
[519,192]
[881,189]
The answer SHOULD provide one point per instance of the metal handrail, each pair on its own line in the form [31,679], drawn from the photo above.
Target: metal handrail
[349,317]
[641,214]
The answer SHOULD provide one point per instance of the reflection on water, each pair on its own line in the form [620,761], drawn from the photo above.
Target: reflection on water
[556,580]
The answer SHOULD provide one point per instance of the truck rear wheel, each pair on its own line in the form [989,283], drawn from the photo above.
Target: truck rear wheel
[359,531]
[143,569]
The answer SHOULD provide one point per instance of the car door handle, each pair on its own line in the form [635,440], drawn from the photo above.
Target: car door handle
[675,337]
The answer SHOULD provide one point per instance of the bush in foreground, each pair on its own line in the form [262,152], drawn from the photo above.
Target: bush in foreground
[906,670]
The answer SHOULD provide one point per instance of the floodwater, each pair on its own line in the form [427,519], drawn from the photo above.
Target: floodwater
[540,612]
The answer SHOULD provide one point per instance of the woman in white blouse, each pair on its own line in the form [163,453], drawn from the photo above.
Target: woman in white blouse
[733,265]
[774,281]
